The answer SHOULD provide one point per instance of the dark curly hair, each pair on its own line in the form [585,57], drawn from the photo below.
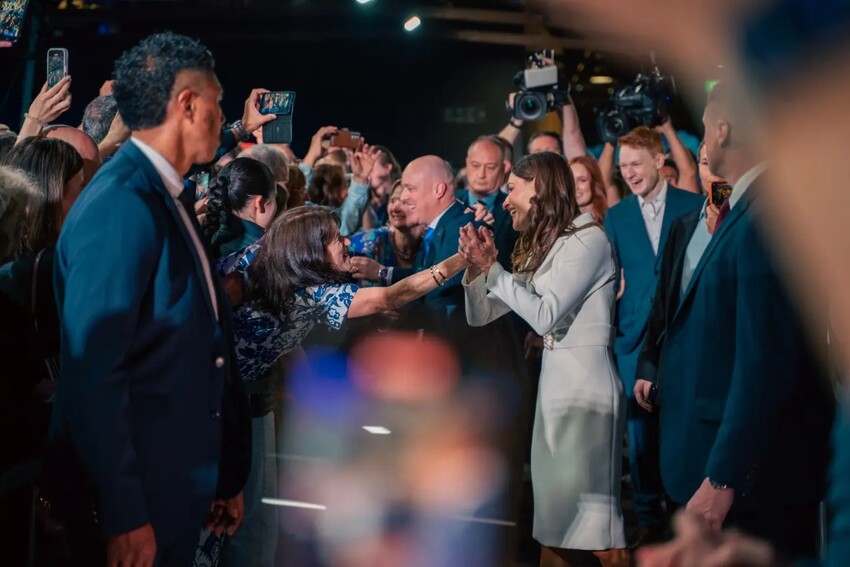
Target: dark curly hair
[553,208]
[292,256]
[240,180]
[145,74]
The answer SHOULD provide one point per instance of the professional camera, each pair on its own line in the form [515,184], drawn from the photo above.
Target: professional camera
[646,102]
[539,92]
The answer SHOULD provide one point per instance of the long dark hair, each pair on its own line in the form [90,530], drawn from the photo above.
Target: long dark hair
[51,164]
[293,256]
[240,180]
[327,185]
[553,208]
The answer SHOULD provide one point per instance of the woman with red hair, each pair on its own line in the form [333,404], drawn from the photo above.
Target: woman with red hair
[590,187]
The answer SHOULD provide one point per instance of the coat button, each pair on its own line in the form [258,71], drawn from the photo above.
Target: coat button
[216,414]
[219,362]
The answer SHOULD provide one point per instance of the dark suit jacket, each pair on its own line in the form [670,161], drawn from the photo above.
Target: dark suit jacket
[742,399]
[627,232]
[503,230]
[667,293]
[150,404]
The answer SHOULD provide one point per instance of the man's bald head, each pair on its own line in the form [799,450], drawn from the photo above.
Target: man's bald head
[84,145]
[427,188]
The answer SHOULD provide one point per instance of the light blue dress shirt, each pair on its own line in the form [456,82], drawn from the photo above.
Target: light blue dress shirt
[699,242]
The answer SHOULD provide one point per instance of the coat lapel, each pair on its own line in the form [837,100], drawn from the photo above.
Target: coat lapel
[718,237]
[159,186]
[636,226]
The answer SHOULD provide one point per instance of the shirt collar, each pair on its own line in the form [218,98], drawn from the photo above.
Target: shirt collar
[172,180]
[488,201]
[702,214]
[659,200]
[437,220]
[744,183]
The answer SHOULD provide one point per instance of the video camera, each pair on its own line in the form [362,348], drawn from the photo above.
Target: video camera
[539,92]
[646,102]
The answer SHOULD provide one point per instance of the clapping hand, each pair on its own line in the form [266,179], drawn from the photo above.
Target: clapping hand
[477,247]
[481,212]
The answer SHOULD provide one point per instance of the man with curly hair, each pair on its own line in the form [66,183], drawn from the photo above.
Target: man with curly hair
[151,425]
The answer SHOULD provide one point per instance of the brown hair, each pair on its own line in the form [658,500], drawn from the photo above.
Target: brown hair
[327,185]
[293,256]
[50,163]
[553,208]
[599,204]
[296,188]
[643,137]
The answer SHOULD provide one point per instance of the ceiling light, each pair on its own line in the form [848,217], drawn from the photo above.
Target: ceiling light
[363,1]
[412,23]
[377,430]
[601,80]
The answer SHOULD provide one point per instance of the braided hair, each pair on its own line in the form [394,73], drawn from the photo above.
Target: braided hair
[229,193]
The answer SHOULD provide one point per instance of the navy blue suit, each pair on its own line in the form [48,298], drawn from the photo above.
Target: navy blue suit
[150,413]
[504,234]
[742,398]
[641,267]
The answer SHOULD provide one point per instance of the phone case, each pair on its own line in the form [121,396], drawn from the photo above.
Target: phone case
[278,132]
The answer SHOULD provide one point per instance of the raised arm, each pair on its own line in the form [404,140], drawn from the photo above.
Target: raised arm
[606,164]
[688,179]
[374,300]
[574,145]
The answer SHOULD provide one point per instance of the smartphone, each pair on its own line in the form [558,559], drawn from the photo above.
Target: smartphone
[719,192]
[281,104]
[278,102]
[347,139]
[57,65]
[202,185]
[12,14]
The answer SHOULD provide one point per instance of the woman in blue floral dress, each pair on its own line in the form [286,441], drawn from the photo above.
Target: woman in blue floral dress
[297,276]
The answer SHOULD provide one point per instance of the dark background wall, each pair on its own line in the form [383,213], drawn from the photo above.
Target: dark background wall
[416,93]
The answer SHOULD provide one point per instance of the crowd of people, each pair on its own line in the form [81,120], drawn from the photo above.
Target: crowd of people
[159,270]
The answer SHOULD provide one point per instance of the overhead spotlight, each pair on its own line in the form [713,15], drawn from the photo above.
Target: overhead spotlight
[601,80]
[412,23]
[363,1]
[377,429]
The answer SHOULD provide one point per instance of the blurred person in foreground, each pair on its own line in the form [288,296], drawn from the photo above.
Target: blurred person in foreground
[564,287]
[151,430]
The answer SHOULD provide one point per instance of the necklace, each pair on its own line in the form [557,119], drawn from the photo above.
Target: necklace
[405,257]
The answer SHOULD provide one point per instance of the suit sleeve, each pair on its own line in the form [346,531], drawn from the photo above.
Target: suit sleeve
[481,307]
[650,352]
[579,266]
[768,364]
[103,270]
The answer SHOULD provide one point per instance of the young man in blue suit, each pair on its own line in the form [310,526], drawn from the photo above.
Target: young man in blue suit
[745,408]
[638,228]
[151,425]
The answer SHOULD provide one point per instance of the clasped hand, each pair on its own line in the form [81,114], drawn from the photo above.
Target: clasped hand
[477,247]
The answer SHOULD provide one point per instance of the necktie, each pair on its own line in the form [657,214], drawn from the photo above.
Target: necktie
[724,210]
[426,242]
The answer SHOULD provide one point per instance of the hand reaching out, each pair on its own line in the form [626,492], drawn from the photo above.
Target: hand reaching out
[482,213]
[477,247]
[366,269]
[316,150]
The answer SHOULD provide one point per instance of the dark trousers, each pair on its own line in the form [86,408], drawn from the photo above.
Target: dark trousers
[793,530]
[644,466]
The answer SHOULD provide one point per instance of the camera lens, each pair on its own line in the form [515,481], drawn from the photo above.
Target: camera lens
[531,106]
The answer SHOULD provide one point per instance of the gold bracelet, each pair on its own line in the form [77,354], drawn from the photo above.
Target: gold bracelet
[39,121]
[442,275]
[434,275]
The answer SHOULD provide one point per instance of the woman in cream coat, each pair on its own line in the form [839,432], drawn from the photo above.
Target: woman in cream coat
[563,286]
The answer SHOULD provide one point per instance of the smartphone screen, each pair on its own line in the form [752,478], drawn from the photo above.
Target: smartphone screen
[202,185]
[12,14]
[279,103]
[720,191]
[57,65]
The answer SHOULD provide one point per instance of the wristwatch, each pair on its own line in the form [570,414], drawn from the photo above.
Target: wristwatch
[240,130]
[717,486]
[382,275]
